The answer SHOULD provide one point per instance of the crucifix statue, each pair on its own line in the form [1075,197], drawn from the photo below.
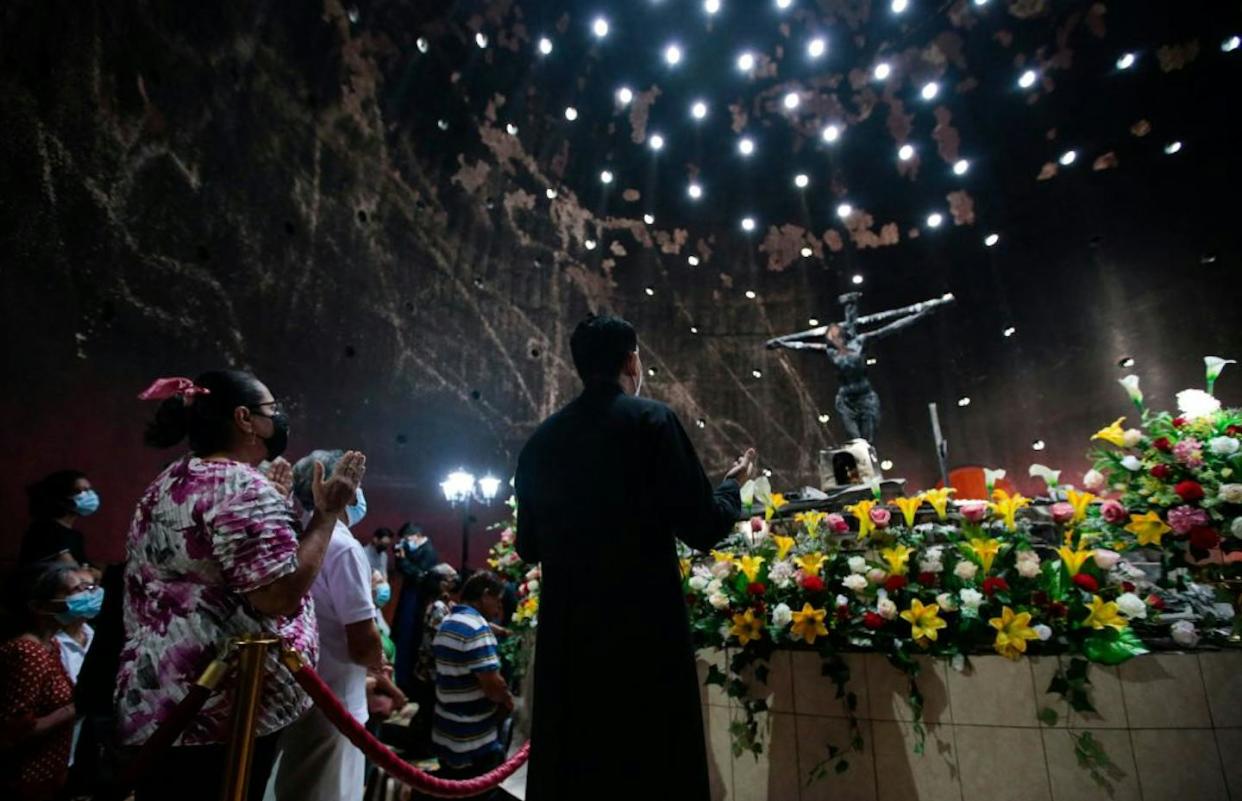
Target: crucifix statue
[843,342]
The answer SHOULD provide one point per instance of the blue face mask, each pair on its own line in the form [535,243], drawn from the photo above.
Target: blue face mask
[86,503]
[383,594]
[83,605]
[357,510]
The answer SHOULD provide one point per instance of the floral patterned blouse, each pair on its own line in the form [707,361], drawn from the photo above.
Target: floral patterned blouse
[205,533]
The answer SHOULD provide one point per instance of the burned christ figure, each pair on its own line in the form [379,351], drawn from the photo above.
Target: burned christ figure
[843,342]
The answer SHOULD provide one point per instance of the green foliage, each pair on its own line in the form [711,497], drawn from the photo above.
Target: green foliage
[1112,647]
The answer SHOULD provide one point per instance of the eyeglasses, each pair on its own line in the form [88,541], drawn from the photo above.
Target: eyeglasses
[259,407]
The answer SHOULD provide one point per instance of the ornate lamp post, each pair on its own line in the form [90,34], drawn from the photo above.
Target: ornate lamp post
[462,489]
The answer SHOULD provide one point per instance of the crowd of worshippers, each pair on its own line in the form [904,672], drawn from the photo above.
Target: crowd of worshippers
[231,539]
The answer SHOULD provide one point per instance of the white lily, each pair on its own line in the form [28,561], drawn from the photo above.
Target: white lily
[1049,476]
[990,477]
[1214,365]
[1131,385]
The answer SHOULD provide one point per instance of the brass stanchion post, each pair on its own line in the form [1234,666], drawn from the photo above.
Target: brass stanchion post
[251,654]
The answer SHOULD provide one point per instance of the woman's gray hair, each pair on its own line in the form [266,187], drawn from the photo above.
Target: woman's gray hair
[304,475]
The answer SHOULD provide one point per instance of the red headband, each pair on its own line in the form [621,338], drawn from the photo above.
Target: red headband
[162,388]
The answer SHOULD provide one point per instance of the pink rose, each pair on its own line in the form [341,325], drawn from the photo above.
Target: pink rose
[974,511]
[836,523]
[1062,512]
[881,517]
[1105,559]
[1183,519]
[756,524]
[507,536]
[1113,512]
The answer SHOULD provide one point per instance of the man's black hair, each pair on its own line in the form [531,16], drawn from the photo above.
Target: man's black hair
[600,345]
[479,584]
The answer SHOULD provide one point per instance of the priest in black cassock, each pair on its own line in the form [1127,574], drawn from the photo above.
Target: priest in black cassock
[604,487]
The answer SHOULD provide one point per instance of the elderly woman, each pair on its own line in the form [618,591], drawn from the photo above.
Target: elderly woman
[213,553]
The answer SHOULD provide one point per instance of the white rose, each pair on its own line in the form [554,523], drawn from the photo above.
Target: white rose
[886,608]
[1105,559]
[1184,633]
[1131,605]
[855,582]
[947,602]
[718,600]
[782,615]
[1093,480]
[1132,464]
[842,600]
[722,569]
[1230,493]
[876,576]
[698,583]
[713,586]
[971,598]
[1132,437]
[934,553]
[1028,568]
[1043,631]
[965,570]
[1235,528]
[1223,446]
[532,586]
[859,565]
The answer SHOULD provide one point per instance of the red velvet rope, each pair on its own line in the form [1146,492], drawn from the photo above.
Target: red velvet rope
[383,756]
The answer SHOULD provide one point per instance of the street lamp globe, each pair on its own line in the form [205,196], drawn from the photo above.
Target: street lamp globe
[458,486]
[489,485]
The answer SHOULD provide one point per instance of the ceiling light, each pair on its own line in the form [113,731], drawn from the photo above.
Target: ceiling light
[748,223]
[930,90]
[672,55]
[872,362]
[844,210]
[750,294]
[857,279]
[824,418]
[905,152]
[783,4]
[882,71]
[1126,61]
[590,244]
[963,402]
[551,193]
[599,27]
[1008,332]
[698,110]
[422,44]
[807,253]
[991,239]
[981,2]
[571,113]
[545,45]
[1027,79]
[511,129]
[625,95]
[442,124]
[934,219]
[812,322]
[887,464]
[649,219]
[701,423]
[1230,44]
[746,62]
[816,48]
[831,133]
[792,100]
[650,291]
[694,329]
[481,40]
[899,6]
[1125,362]
[801,181]
[1068,158]
[756,373]
[1038,445]
[1172,147]
[711,6]
[960,167]
[694,191]
[745,146]
[693,261]
[605,177]
[656,142]
[651,371]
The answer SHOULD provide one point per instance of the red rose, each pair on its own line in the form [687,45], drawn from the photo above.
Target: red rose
[1155,601]
[1087,582]
[756,588]
[1162,472]
[1058,609]
[894,583]
[1178,422]
[927,579]
[1189,490]
[1127,586]
[872,620]
[1039,598]
[1204,538]
[813,584]
[1113,512]
[1233,431]
[843,613]
[691,598]
[993,585]
[1162,444]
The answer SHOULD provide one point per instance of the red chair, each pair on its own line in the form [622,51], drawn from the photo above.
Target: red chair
[969,483]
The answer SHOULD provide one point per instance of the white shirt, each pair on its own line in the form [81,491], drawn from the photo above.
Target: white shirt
[72,652]
[342,593]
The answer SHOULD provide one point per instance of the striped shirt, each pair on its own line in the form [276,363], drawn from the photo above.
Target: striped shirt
[465,721]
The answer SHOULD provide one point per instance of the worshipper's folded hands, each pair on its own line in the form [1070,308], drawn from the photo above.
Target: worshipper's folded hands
[280,473]
[337,491]
[743,469]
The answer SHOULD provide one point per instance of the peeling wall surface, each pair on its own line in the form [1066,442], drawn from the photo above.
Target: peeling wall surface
[397,228]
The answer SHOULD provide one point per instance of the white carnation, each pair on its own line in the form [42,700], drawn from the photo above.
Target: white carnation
[965,570]
[1043,631]
[1132,463]
[781,573]
[782,615]
[1131,605]
[1132,437]
[971,598]
[1195,403]
[1223,446]
[1230,493]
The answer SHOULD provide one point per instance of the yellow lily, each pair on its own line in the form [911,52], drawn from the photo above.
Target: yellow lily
[724,556]
[908,507]
[1007,506]
[685,567]
[939,500]
[1012,632]
[749,565]
[897,557]
[810,563]
[986,550]
[1080,501]
[862,510]
[1074,560]
[783,545]
[1112,434]
[527,609]
[808,624]
[924,621]
[774,505]
[746,626]
[811,520]
[1149,528]
[1104,614]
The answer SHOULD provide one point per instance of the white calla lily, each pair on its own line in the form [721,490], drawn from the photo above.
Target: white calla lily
[1214,365]
[1131,385]
[1047,474]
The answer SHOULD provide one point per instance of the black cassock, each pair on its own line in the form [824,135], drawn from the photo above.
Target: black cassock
[603,488]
